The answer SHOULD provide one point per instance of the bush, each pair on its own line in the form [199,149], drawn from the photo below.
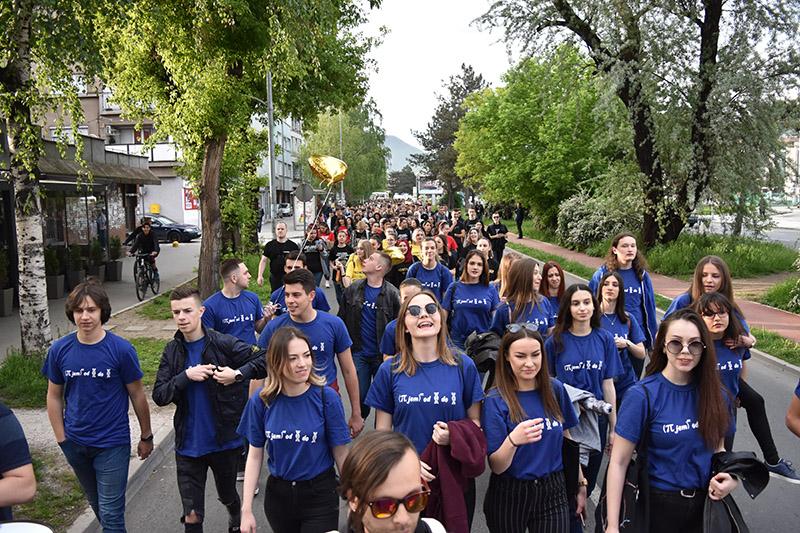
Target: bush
[114,248]
[584,220]
[746,257]
[780,295]
[52,263]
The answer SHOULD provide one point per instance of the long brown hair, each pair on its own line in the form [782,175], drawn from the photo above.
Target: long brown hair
[506,382]
[406,362]
[520,290]
[564,319]
[544,287]
[619,308]
[277,359]
[726,283]
[502,272]
[716,301]
[639,262]
[483,279]
[712,412]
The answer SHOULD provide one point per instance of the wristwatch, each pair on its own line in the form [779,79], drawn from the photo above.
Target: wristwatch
[238,377]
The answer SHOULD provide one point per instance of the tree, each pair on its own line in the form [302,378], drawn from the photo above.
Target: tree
[439,158]
[198,69]
[48,37]
[693,77]
[540,137]
[362,148]
[402,181]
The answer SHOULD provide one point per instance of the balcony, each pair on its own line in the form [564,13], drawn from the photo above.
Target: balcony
[159,153]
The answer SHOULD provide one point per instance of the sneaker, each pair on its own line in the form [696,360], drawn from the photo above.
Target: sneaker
[240,476]
[327,284]
[255,492]
[784,470]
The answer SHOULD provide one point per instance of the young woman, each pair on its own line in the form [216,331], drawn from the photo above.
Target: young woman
[552,286]
[425,368]
[427,227]
[628,336]
[301,423]
[446,258]
[469,302]
[430,272]
[684,416]
[640,299]
[313,251]
[443,228]
[339,255]
[523,303]
[503,273]
[417,236]
[485,247]
[360,232]
[582,354]
[400,270]
[525,418]
[354,268]
[470,243]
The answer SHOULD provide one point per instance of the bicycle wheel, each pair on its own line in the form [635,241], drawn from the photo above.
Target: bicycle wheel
[140,281]
[155,280]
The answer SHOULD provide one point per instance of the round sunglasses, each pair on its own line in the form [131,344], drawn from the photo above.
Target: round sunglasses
[516,328]
[416,310]
[694,347]
[387,507]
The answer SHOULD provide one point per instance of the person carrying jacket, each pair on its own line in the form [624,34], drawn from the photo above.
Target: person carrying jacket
[368,305]
[199,372]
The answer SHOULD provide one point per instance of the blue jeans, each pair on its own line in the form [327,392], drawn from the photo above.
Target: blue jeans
[103,475]
[317,278]
[366,368]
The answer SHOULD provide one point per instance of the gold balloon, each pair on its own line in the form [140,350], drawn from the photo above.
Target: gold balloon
[327,169]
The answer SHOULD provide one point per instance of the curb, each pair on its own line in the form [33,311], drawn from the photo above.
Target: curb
[148,300]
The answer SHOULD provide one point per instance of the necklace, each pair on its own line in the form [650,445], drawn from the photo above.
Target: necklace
[612,322]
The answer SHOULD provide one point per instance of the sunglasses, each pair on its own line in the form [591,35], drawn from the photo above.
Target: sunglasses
[694,347]
[416,310]
[387,507]
[516,328]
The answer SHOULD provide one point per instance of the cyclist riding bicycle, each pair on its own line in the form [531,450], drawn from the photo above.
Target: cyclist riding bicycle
[146,243]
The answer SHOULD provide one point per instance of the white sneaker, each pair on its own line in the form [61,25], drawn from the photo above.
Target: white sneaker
[327,284]
[255,492]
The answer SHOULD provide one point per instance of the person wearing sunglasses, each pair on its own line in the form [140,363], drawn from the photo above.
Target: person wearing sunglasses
[380,481]
[582,354]
[430,272]
[523,304]
[685,418]
[426,385]
[469,302]
[302,425]
[525,417]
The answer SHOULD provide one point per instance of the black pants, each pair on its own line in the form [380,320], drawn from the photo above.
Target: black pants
[192,472]
[753,404]
[310,506]
[519,228]
[275,281]
[518,505]
[677,511]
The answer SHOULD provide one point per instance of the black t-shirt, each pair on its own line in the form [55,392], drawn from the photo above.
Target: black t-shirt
[312,251]
[492,269]
[456,229]
[471,222]
[493,230]
[342,253]
[276,252]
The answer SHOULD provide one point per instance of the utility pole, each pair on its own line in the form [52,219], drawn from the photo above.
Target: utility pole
[341,156]
[272,185]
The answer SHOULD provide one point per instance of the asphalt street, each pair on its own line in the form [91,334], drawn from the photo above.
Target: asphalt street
[157,506]
[786,230]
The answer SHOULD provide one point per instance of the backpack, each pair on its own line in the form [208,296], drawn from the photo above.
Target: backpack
[483,348]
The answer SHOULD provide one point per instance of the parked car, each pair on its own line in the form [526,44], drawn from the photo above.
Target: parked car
[284,210]
[168,230]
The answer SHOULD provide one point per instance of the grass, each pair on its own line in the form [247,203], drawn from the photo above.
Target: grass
[149,351]
[59,499]
[21,381]
[570,266]
[780,294]
[662,302]
[777,346]
[530,230]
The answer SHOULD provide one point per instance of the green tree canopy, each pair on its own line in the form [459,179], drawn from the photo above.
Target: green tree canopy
[402,181]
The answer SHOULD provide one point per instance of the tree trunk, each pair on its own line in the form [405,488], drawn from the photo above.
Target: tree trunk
[208,269]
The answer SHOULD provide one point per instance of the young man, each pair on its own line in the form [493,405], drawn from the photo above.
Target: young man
[17,481]
[94,374]
[497,235]
[472,218]
[146,242]
[235,310]
[519,217]
[368,306]
[328,336]
[409,288]
[457,228]
[197,371]
[277,300]
[275,251]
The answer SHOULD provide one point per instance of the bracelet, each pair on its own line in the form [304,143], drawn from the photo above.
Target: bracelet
[511,441]
[147,439]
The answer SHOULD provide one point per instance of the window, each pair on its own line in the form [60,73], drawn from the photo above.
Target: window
[140,136]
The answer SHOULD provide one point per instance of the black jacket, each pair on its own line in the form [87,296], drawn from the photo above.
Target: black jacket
[388,305]
[227,402]
[723,516]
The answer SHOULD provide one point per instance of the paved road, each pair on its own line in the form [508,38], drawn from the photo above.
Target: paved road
[158,505]
[786,231]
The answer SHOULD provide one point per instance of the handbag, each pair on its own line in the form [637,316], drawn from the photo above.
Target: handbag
[634,508]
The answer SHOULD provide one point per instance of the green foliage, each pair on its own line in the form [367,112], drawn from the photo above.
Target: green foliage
[52,263]
[95,253]
[114,248]
[746,257]
[569,266]
[777,346]
[21,380]
[362,149]
[662,302]
[532,230]
[402,181]
[59,499]
[149,351]
[3,268]
[795,301]
[75,257]
[157,308]
[780,295]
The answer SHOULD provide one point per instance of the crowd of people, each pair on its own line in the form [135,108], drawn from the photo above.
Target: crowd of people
[415,288]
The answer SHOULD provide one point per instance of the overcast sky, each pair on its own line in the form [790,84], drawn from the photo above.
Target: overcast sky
[426,44]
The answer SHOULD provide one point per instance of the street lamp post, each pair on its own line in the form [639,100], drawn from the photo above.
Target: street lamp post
[271,126]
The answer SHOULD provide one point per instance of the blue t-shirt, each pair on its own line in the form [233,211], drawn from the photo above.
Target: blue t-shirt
[633,294]
[387,341]
[200,437]
[473,304]
[554,304]
[539,314]
[278,297]
[436,392]
[730,364]
[298,431]
[14,451]
[797,389]
[632,332]
[369,325]
[584,362]
[437,279]
[328,336]
[678,457]
[94,378]
[537,459]
[685,300]
[234,316]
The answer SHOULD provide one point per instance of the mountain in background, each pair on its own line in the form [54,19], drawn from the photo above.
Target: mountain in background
[400,152]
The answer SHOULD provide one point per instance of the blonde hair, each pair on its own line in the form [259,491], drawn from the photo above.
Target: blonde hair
[502,272]
[405,362]
[277,359]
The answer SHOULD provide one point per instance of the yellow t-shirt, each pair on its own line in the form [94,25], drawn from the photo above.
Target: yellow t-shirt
[353,270]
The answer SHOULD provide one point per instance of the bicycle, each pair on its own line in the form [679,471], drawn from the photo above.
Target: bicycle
[144,276]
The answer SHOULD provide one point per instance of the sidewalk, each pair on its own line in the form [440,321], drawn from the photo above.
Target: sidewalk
[781,322]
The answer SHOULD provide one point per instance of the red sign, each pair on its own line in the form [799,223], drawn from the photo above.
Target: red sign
[190,201]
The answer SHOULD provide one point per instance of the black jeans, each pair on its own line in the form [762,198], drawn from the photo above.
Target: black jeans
[310,506]
[753,404]
[519,505]
[192,473]
[677,511]
[519,228]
